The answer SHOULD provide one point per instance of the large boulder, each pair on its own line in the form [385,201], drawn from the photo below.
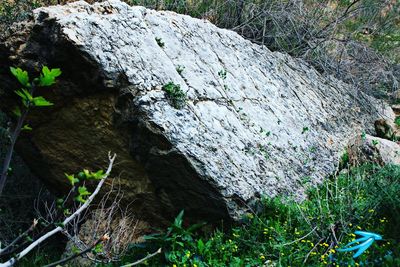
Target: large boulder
[254,123]
[371,149]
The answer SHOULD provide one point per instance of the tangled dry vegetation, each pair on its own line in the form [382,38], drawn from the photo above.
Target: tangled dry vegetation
[357,41]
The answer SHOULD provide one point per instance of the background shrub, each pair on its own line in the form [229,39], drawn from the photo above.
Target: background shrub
[357,41]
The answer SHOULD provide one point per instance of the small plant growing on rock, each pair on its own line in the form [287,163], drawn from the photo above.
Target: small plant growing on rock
[176,96]
[160,42]
[222,74]
[180,69]
[344,160]
[397,121]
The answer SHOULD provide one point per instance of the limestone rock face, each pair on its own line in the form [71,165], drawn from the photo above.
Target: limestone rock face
[254,123]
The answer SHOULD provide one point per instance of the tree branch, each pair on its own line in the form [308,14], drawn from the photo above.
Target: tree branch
[58,229]
[57,263]
[15,241]
[10,151]
[144,259]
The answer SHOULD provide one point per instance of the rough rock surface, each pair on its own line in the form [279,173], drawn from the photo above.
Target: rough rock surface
[255,122]
[396,108]
[374,149]
[387,129]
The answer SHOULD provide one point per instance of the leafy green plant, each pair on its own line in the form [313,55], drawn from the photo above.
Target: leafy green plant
[375,142]
[344,160]
[78,184]
[222,74]
[175,240]
[83,193]
[175,94]
[180,69]
[363,136]
[397,121]
[68,208]
[288,233]
[67,214]
[304,130]
[26,94]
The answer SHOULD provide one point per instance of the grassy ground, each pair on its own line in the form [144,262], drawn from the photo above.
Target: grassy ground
[287,233]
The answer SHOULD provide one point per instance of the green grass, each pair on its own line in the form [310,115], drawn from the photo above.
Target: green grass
[284,232]
[287,233]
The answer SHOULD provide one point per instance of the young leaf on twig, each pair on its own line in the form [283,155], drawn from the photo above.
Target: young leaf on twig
[21,75]
[48,77]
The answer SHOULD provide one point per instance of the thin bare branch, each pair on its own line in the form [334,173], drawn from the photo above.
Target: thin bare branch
[144,259]
[70,258]
[58,229]
[19,238]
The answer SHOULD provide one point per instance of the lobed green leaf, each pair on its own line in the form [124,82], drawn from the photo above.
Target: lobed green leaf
[40,101]
[21,75]
[48,77]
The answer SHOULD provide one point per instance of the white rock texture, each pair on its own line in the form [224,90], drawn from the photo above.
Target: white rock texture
[265,127]
[373,149]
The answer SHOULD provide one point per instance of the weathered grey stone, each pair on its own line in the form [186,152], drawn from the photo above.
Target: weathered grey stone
[259,130]
[374,150]
[396,109]
[387,129]
[396,96]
